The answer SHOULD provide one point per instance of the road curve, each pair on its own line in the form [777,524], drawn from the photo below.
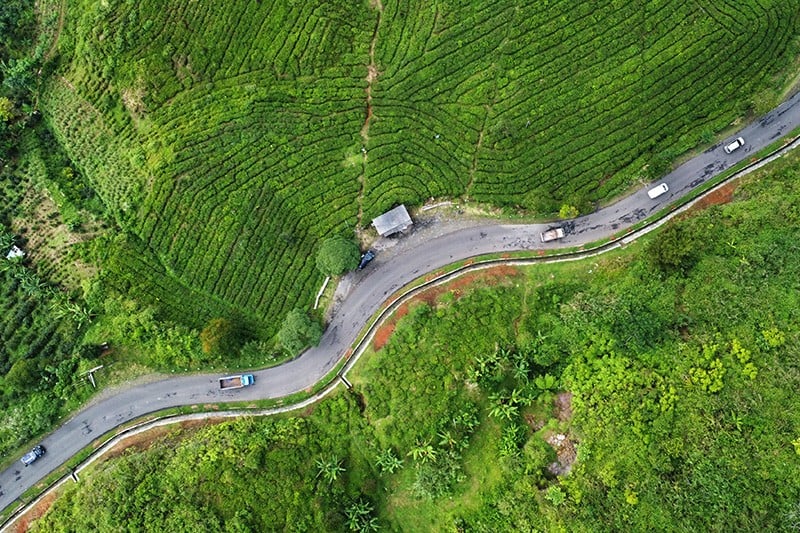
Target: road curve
[426,250]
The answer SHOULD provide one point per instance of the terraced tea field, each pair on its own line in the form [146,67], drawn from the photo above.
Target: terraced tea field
[228,139]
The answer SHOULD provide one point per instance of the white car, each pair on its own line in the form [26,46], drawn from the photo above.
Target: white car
[735,145]
[657,191]
[552,234]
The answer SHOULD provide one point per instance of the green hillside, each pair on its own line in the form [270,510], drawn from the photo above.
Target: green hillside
[227,139]
[663,378]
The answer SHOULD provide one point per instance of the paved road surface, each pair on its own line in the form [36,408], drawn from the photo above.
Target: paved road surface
[424,251]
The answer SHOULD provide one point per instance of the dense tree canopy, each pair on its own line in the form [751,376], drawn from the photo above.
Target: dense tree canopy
[299,331]
[337,255]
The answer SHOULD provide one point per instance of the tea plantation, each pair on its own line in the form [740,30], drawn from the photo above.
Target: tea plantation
[228,139]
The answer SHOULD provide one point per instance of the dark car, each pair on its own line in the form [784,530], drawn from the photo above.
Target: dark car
[34,454]
[368,256]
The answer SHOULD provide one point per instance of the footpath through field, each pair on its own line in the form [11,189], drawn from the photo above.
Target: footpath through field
[362,293]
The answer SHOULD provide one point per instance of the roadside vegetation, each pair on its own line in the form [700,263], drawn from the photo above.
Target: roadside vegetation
[650,389]
[173,179]
[44,210]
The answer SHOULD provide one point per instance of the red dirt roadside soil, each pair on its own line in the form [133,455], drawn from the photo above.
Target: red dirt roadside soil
[458,287]
[23,523]
[723,195]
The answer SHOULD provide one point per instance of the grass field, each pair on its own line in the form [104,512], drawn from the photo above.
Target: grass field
[228,140]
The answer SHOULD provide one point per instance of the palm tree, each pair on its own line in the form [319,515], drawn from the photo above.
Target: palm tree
[30,283]
[504,410]
[370,524]
[467,419]
[62,307]
[359,517]
[329,468]
[388,461]
[357,513]
[481,366]
[446,439]
[518,397]
[505,354]
[521,369]
[6,240]
[423,452]
[497,398]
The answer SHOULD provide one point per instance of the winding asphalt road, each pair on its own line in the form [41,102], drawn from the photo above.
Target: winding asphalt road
[401,261]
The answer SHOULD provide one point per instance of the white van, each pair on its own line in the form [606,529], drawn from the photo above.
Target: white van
[657,191]
[735,145]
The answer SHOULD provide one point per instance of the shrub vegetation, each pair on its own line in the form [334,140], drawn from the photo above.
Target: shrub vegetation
[43,354]
[601,395]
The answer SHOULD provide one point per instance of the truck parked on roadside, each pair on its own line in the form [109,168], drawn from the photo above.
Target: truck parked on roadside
[552,234]
[236,382]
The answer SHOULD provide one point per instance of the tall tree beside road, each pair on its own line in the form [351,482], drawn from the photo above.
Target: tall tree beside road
[337,255]
[299,331]
[220,337]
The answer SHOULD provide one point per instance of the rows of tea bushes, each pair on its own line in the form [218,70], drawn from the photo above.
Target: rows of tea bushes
[113,166]
[620,393]
[229,140]
[241,121]
[535,104]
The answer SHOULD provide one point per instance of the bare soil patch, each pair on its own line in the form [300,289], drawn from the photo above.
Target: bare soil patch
[562,406]
[23,523]
[384,333]
[534,422]
[565,452]
[133,99]
[723,195]
[372,73]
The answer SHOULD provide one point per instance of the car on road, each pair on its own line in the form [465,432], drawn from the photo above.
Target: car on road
[552,234]
[32,455]
[735,145]
[368,256]
[657,191]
